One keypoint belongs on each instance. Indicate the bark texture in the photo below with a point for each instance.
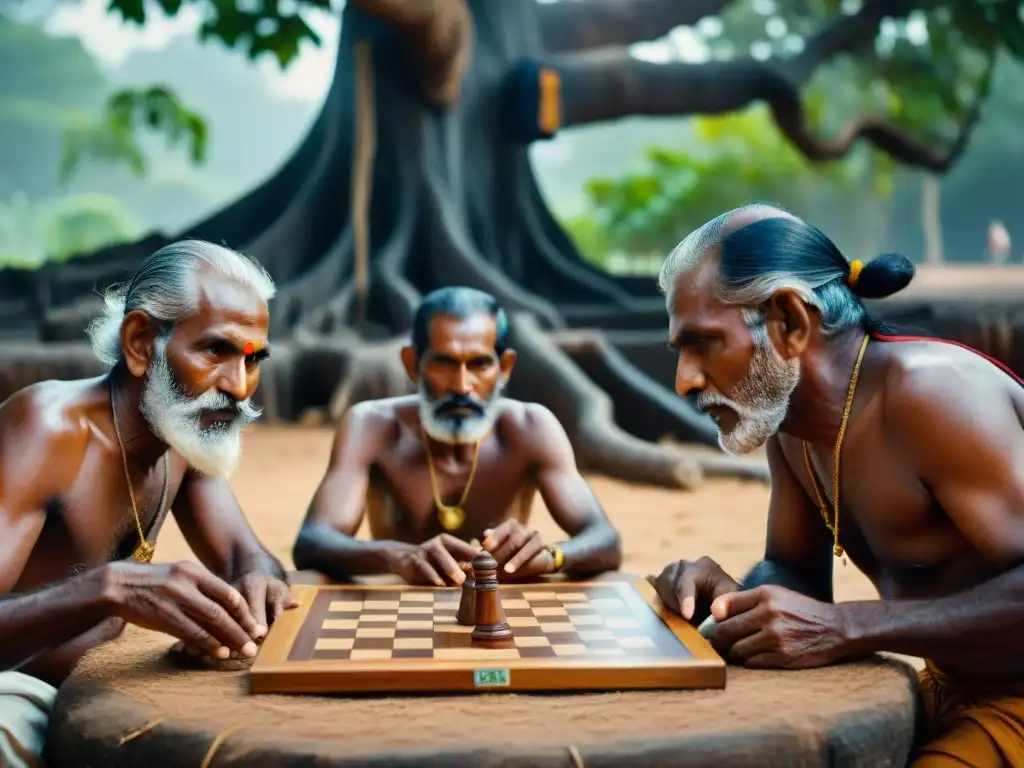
(414, 176)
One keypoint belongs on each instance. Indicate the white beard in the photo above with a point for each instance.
(459, 429)
(174, 417)
(760, 401)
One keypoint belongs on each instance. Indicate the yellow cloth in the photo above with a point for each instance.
(969, 725)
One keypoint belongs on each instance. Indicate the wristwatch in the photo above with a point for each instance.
(556, 556)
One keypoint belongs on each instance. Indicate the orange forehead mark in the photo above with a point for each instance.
(249, 347)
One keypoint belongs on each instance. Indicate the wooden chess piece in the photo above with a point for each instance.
(492, 630)
(467, 605)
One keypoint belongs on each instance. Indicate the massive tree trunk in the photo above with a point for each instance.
(412, 178)
(416, 175)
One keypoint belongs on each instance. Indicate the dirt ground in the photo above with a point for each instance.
(725, 519)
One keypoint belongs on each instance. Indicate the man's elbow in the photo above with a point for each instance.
(614, 549)
(605, 551)
(814, 582)
(307, 548)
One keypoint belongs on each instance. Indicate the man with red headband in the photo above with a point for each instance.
(904, 455)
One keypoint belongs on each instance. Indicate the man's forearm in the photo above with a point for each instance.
(337, 556)
(772, 572)
(988, 619)
(596, 549)
(36, 622)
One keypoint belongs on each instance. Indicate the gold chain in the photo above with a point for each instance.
(144, 551)
(834, 527)
(451, 518)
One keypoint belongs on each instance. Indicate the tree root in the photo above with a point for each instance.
(716, 463)
(654, 412)
(549, 245)
(546, 375)
(372, 370)
(318, 288)
(455, 259)
(399, 295)
(23, 363)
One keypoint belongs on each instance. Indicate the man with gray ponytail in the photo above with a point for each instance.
(89, 470)
(905, 454)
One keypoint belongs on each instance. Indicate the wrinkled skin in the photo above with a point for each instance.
(67, 530)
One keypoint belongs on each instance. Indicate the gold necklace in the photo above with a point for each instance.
(451, 518)
(834, 527)
(144, 551)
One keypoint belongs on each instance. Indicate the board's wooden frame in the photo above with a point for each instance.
(273, 672)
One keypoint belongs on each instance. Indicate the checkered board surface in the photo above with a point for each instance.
(609, 622)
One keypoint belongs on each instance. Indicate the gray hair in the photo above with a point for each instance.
(166, 288)
(765, 249)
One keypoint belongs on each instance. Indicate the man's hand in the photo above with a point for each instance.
(441, 562)
(514, 546)
(771, 626)
(267, 597)
(188, 602)
(689, 588)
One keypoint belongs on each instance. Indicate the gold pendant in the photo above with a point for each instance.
(144, 552)
(451, 518)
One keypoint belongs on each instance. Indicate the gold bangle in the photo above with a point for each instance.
(557, 556)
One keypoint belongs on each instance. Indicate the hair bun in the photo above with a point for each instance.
(884, 276)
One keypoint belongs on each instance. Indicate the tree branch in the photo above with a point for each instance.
(896, 142)
(847, 34)
(604, 85)
(572, 26)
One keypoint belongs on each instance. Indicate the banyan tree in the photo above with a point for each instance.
(416, 174)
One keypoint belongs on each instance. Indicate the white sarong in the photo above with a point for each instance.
(25, 706)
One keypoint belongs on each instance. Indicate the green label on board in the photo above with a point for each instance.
(490, 678)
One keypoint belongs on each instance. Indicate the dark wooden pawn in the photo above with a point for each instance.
(467, 605)
(492, 630)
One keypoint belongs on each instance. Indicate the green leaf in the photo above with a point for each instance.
(129, 10)
(113, 138)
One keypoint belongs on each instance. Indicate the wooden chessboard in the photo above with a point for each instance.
(601, 635)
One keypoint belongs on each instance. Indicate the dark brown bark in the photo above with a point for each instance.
(453, 200)
(586, 412)
(438, 35)
(572, 26)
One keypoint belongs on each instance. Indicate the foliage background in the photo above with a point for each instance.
(95, 150)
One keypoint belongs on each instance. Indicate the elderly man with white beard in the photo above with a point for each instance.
(904, 453)
(89, 470)
(454, 468)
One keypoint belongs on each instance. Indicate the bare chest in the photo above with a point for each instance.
(889, 523)
(406, 500)
(93, 521)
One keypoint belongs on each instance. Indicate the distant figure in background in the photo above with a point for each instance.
(90, 469)
(455, 463)
(999, 245)
(905, 454)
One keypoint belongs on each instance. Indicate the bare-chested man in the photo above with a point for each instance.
(85, 466)
(775, 343)
(456, 463)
